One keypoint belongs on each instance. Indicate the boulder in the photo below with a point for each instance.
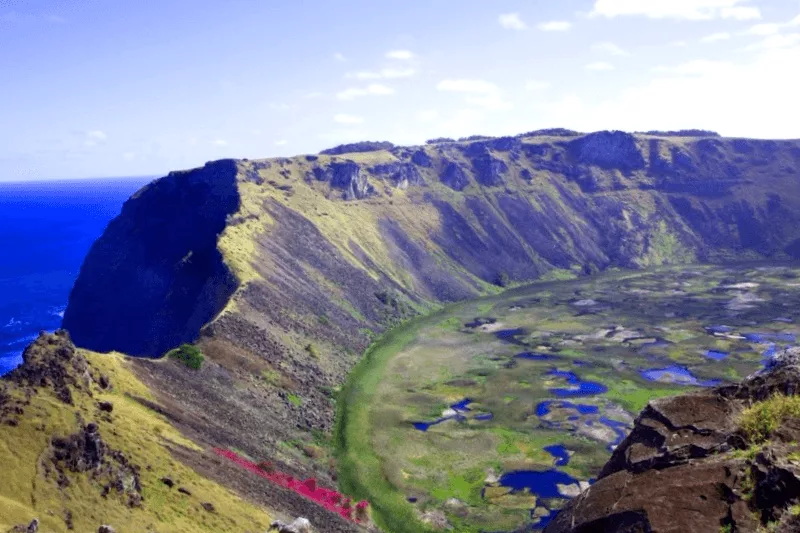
(687, 466)
(608, 150)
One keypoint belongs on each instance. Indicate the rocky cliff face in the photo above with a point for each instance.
(704, 463)
(284, 269)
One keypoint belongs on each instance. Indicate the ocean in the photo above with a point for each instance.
(46, 229)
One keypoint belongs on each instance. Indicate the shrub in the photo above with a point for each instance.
(189, 355)
(295, 400)
(312, 350)
(762, 418)
(502, 280)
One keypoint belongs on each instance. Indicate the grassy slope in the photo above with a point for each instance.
(360, 472)
(144, 436)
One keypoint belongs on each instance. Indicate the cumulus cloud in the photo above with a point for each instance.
(776, 41)
(375, 89)
(555, 25)
(403, 55)
(599, 66)
(677, 9)
(344, 118)
(763, 29)
(219, 142)
(703, 94)
(536, 85)
(716, 37)
(512, 21)
(338, 56)
(610, 48)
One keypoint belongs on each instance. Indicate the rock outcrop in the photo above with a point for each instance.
(691, 465)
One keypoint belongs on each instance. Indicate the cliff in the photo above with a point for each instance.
(726, 459)
(283, 270)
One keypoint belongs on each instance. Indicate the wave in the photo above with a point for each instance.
(13, 324)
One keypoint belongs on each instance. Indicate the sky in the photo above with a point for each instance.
(101, 88)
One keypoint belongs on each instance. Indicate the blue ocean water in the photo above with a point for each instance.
(46, 229)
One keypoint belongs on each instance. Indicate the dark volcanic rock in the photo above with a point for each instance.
(422, 159)
(454, 177)
(677, 471)
(52, 361)
(608, 149)
(348, 176)
(155, 276)
(401, 174)
(365, 146)
(489, 170)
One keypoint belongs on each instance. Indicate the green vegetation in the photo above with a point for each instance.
(145, 437)
(417, 371)
(294, 399)
(189, 355)
(762, 418)
(312, 350)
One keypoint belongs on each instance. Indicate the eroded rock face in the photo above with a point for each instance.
(401, 174)
(454, 177)
(52, 361)
(684, 467)
(489, 170)
(156, 275)
(608, 149)
(348, 176)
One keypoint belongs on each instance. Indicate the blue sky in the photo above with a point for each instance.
(119, 87)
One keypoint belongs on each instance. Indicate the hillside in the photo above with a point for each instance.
(82, 448)
(284, 270)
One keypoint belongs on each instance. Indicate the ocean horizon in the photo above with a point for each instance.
(46, 230)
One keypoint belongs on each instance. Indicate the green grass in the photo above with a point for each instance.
(360, 469)
(295, 400)
(189, 355)
(762, 418)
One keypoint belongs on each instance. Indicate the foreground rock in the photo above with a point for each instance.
(688, 466)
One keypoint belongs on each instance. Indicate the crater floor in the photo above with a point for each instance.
(491, 414)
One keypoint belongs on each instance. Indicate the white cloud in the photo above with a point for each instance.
(555, 25)
(479, 93)
(610, 48)
(600, 66)
(741, 13)
(344, 118)
(676, 9)
(468, 86)
(491, 101)
(281, 142)
(763, 29)
(697, 67)
(535, 85)
(313, 95)
(795, 21)
(716, 37)
(712, 95)
(279, 106)
(776, 41)
(400, 54)
(372, 89)
(219, 142)
(339, 57)
(388, 73)
(96, 135)
(678, 44)
(129, 156)
(512, 21)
